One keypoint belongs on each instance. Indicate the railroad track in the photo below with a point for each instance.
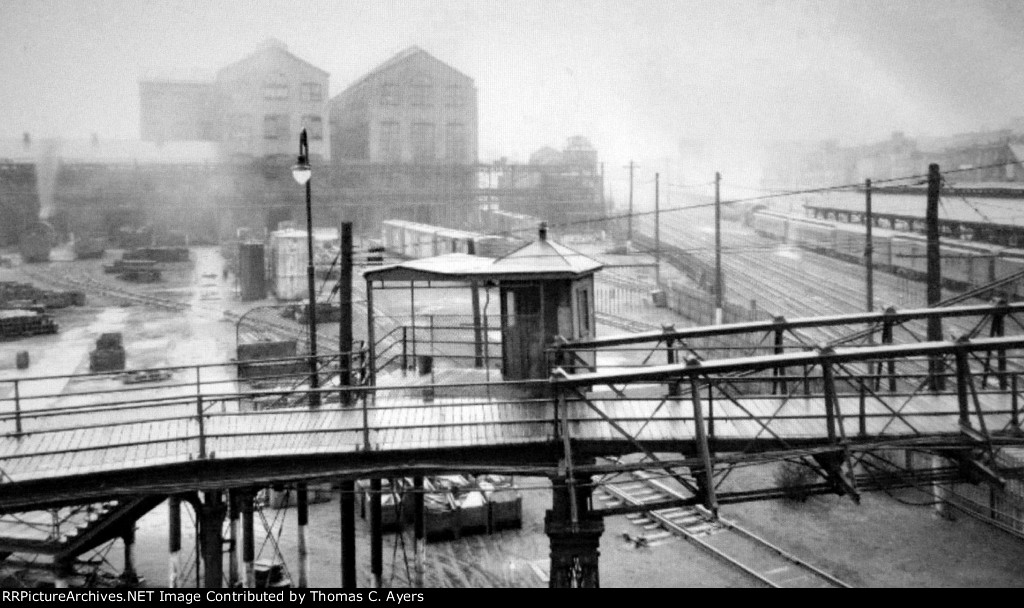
(762, 561)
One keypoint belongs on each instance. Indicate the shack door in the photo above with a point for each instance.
(522, 339)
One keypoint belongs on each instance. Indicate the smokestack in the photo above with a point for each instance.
(26, 139)
(543, 231)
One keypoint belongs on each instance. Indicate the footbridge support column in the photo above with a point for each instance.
(574, 534)
(173, 541)
(211, 515)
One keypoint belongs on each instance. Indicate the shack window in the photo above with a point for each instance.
(583, 309)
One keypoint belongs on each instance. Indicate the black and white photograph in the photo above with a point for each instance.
(320, 301)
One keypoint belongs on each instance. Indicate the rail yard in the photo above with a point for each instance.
(534, 305)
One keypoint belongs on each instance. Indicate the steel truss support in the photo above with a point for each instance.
(704, 476)
(618, 428)
(833, 462)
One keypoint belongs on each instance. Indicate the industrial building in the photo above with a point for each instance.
(405, 139)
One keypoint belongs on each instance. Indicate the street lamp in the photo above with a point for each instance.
(303, 174)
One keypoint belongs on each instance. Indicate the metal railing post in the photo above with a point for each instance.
(779, 386)
(405, 348)
(202, 431)
(366, 424)
(963, 372)
(1014, 403)
(862, 429)
(17, 408)
(887, 331)
(674, 388)
(999, 330)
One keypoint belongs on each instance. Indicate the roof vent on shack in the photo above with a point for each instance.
(543, 231)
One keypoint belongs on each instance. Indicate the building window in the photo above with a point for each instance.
(274, 91)
(311, 91)
(314, 126)
(390, 141)
(390, 94)
(241, 126)
(423, 141)
(455, 141)
(422, 92)
(453, 96)
(275, 126)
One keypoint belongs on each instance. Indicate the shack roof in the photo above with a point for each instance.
(539, 260)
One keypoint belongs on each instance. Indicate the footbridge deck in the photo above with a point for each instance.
(94, 442)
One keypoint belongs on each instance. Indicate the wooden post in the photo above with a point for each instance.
(935, 371)
(869, 248)
(233, 515)
(173, 540)
(345, 312)
(478, 339)
(129, 575)
(212, 517)
(302, 515)
(248, 540)
(376, 534)
(657, 231)
(419, 528)
(347, 499)
(719, 291)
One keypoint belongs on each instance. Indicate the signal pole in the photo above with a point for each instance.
(869, 249)
(657, 231)
(629, 218)
(719, 296)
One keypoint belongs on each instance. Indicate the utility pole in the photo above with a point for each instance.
(869, 222)
(934, 273)
(629, 218)
(719, 296)
(657, 231)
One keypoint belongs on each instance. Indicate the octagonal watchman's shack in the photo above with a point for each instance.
(545, 290)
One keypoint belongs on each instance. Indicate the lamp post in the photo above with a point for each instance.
(303, 174)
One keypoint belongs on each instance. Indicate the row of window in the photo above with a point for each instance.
(278, 91)
(420, 93)
(275, 126)
(422, 139)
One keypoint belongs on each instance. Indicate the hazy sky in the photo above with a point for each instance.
(634, 76)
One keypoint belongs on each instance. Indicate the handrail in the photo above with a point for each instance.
(782, 324)
(839, 355)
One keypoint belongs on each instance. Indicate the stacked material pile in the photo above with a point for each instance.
(24, 295)
(109, 354)
(19, 323)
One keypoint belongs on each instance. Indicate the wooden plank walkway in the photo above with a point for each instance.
(80, 442)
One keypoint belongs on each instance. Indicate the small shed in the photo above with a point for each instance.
(545, 289)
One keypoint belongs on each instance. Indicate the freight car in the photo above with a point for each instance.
(508, 223)
(965, 264)
(89, 247)
(413, 240)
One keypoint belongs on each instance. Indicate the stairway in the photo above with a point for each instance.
(67, 533)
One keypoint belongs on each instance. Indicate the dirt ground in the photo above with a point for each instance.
(880, 543)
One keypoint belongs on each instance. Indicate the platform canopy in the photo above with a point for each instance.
(539, 260)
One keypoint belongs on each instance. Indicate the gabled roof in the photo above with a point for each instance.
(412, 51)
(275, 46)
